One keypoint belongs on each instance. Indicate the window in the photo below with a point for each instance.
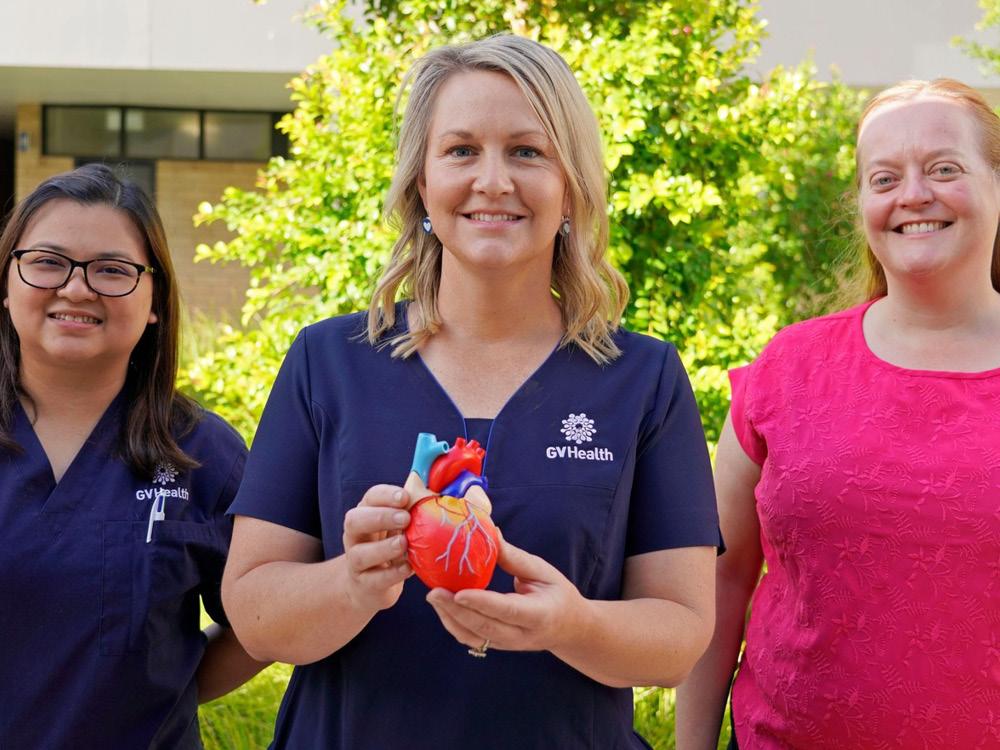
(149, 133)
(82, 131)
(161, 133)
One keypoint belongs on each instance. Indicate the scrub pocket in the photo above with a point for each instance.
(147, 588)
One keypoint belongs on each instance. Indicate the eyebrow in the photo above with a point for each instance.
(513, 136)
(936, 154)
(107, 254)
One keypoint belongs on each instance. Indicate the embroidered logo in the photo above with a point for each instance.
(164, 474)
(578, 428)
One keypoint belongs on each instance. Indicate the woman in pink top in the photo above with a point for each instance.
(861, 462)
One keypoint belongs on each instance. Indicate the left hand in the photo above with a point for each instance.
(544, 610)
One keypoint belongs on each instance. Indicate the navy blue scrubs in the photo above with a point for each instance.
(587, 465)
(99, 628)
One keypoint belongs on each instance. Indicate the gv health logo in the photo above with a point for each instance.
(579, 429)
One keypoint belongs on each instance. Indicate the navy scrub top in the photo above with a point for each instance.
(99, 629)
(587, 465)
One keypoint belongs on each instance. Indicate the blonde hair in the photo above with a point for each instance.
(872, 282)
(590, 292)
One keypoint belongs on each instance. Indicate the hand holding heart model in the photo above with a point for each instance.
(451, 540)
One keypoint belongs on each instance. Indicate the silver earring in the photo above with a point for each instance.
(426, 225)
(564, 226)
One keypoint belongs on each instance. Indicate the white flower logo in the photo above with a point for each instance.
(164, 474)
(577, 428)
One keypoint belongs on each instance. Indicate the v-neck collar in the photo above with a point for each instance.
(80, 476)
(524, 389)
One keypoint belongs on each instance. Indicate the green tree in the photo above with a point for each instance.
(723, 189)
(989, 55)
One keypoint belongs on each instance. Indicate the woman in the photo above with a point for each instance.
(113, 486)
(500, 197)
(860, 463)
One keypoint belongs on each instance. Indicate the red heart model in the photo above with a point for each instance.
(451, 543)
(461, 457)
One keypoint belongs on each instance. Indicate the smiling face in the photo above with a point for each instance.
(929, 199)
(73, 326)
(491, 183)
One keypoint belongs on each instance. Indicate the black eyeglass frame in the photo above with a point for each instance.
(18, 254)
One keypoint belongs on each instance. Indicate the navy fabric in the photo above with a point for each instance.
(99, 630)
(343, 416)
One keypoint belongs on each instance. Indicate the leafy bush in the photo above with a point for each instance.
(723, 190)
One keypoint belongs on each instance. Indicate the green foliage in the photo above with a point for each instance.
(244, 719)
(989, 55)
(722, 193)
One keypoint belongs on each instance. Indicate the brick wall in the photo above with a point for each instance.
(207, 290)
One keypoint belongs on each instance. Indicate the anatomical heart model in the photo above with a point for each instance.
(451, 540)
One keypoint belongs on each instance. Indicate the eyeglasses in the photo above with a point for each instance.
(46, 269)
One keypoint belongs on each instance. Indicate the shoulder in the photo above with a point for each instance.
(815, 336)
(212, 438)
(647, 353)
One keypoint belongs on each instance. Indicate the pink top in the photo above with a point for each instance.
(877, 624)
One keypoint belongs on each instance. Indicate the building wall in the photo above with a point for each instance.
(214, 291)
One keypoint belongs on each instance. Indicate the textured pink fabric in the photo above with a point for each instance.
(877, 624)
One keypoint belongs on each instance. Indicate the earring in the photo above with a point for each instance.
(426, 225)
(564, 226)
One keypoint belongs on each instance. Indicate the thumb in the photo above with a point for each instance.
(522, 564)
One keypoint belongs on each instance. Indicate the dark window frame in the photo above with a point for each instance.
(279, 141)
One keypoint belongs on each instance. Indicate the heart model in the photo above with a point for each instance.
(451, 540)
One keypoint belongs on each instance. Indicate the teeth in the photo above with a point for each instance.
(922, 226)
(492, 217)
(75, 318)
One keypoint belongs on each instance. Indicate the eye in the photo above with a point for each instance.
(460, 151)
(946, 170)
(882, 180)
(527, 152)
(114, 269)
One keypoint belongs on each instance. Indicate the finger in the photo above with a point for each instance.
(376, 555)
(385, 495)
(476, 621)
(380, 579)
(524, 565)
(362, 522)
(459, 632)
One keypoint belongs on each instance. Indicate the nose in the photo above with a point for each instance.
(916, 190)
(76, 288)
(493, 176)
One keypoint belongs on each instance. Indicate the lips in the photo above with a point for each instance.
(921, 227)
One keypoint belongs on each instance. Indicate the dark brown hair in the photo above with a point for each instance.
(156, 413)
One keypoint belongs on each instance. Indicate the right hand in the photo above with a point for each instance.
(375, 548)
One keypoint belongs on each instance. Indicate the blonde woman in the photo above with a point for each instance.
(860, 461)
(598, 473)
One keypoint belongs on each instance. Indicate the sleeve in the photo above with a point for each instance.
(280, 484)
(750, 440)
(222, 528)
(673, 496)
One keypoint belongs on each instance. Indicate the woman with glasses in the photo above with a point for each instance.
(113, 486)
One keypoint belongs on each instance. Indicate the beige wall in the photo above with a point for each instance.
(215, 291)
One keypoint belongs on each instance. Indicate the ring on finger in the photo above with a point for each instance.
(480, 652)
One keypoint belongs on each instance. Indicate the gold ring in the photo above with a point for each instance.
(480, 652)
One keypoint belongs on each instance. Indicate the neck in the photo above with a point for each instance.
(487, 309)
(925, 306)
(67, 394)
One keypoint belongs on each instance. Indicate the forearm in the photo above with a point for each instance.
(294, 612)
(225, 665)
(701, 699)
(636, 642)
